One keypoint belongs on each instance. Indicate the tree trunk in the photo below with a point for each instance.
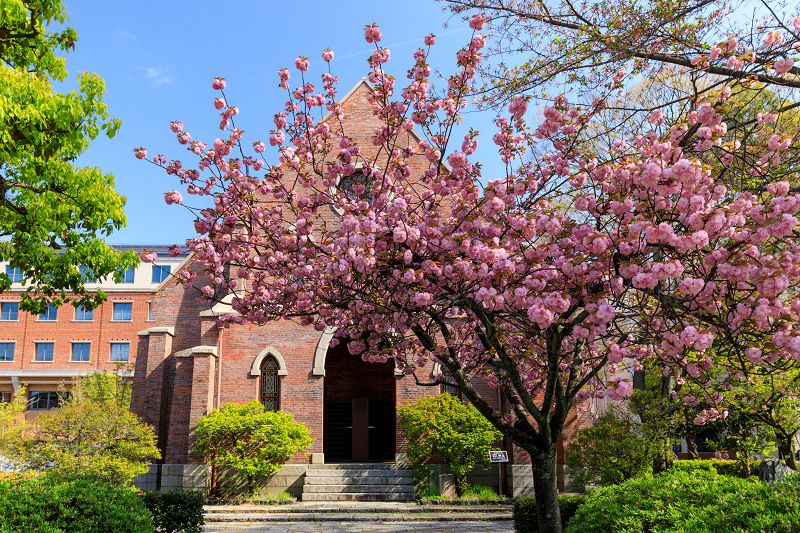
(663, 460)
(545, 489)
(785, 446)
(691, 447)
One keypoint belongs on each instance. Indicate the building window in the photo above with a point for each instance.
(270, 384)
(128, 275)
(119, 352)
(161, 272)
(44, 351)
(123, 310)
(80, 352)
(356, 187)
(50, 314)
(6, 396)
(150, 311)
(9, 310)
(86, 273)
(6, 351)
(81, 313)
(15, 274)
(46, 399)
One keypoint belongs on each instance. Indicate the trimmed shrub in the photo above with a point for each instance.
(724, 467)
(55, 504)
(526, 518)
(178, 511)
(691, 501)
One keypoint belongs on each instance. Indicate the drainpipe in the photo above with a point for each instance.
(217, 395)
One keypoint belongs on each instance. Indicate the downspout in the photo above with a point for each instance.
(217, 394)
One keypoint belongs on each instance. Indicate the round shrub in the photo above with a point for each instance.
(697, 501)
(76, 504)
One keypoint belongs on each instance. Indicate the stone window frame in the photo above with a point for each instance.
(256, 370)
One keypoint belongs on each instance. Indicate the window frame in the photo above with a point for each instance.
(80, 308)
(162, 272)
(53, 401)
(45, 317)
(15, 274)
(112, 344)
(125, 275)
(3, 304)
(72, 351)
(272, 372)
(4, 353)
(52, 345)
(114, 311)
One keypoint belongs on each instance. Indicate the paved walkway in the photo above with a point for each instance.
(361, 527)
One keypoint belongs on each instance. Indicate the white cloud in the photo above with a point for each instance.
(158, 75)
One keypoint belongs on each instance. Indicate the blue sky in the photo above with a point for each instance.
(158, 60)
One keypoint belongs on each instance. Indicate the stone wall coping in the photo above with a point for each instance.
(169, 331)
(197, 350)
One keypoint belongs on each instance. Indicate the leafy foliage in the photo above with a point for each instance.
(176, 511)
(106, 386)
(612, 450)
(458, 432)
(250, 439)
(723, 467)
(12, 426)
(53, 215)
(104, 440)
(697, 501)
(55, 504)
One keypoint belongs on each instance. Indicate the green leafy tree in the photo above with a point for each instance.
(12, 426)
(103, 386)
(249, 438)
(617, 447)
(53, 214)
(104, 440)
(458, 432)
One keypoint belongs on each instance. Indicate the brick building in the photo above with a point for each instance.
(186, 365)
(46, 352)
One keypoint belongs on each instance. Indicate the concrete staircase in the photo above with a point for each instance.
(358, 482)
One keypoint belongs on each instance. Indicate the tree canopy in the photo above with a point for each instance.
(547, 281)
(53, 214)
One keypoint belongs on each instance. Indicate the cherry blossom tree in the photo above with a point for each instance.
(546, 281)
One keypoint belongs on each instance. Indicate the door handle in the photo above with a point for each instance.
(371, 427)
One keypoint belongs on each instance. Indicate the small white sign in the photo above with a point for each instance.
(498, 456)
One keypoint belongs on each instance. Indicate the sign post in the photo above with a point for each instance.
(499, 456)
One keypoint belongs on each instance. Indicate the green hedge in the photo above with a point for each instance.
(526, 518)
(176, 511)
(52, 504)
(725, 467)
(696, 501)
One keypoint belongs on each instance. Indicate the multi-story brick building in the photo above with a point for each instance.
(46, 352)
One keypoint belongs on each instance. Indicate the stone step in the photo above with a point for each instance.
(359, 488)
(357, 496)
(355, 508)
(359, 466)
(360, 517)
(359, 480)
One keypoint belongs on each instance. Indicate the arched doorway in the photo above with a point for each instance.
(359, 424)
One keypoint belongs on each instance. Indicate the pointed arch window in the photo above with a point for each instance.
(270, 384)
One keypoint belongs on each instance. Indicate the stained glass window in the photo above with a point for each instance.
(270, 384)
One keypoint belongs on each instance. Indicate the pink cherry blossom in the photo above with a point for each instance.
(141, 153)
(301, 63)
(782, 66)
(477, 22)
(218, 84)
(176, 126)
(173, 197)
(327, 55)
(175, 250)
(430, 39)
(148, 256)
